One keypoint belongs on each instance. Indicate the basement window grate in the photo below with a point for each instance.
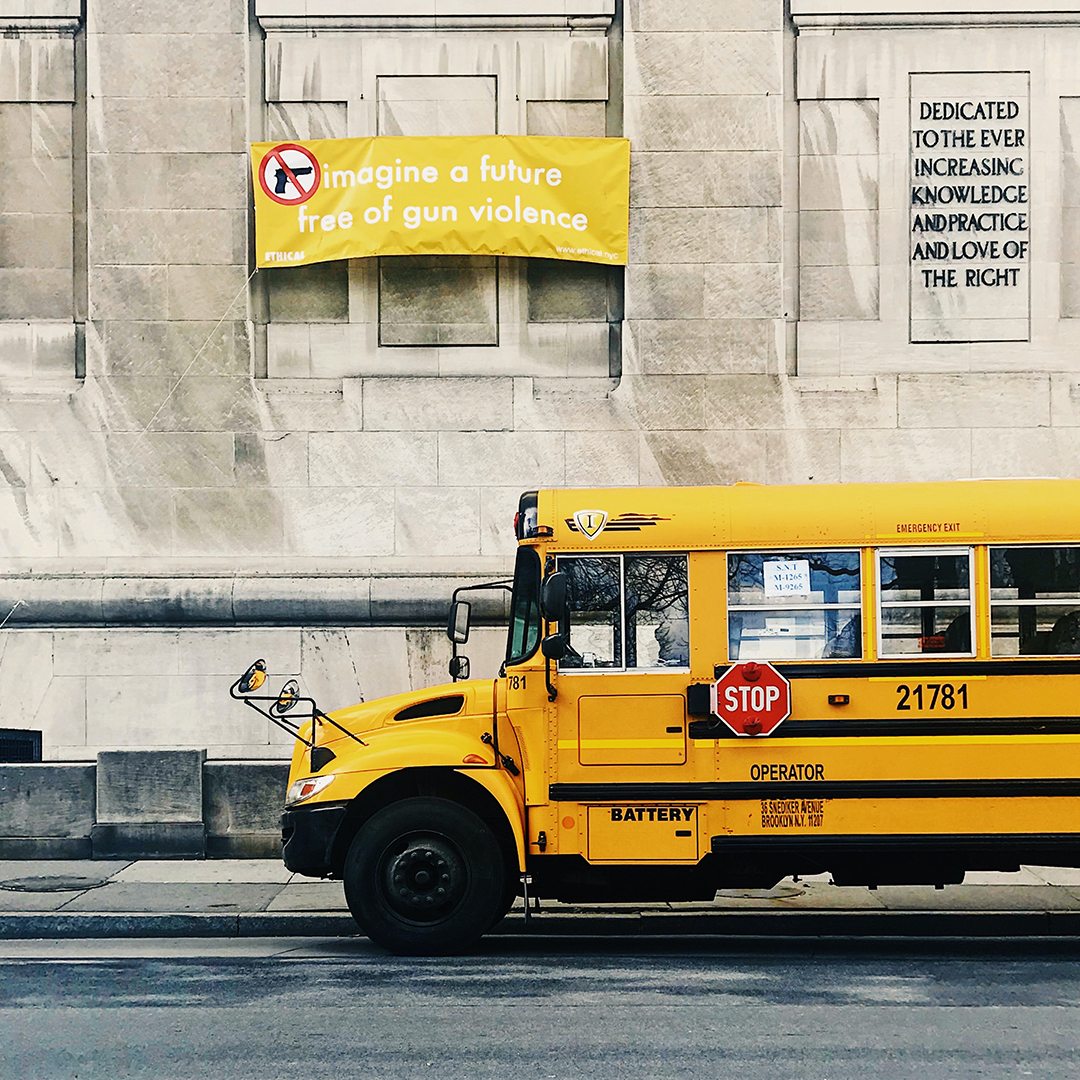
(17, 745)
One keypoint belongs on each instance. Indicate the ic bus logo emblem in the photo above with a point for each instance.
(590, 522)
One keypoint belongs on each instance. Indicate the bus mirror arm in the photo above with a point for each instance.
(552, 692)
(457, 624)
(555, 647)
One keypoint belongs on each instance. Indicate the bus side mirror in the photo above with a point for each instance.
(457, 625)
(555, 605)
(554, 646)
(459, 667)
(553, 598)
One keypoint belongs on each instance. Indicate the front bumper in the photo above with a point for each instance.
(307, 836)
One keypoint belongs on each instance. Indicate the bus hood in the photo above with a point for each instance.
(431, 703)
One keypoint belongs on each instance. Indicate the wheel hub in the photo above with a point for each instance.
(425, 879)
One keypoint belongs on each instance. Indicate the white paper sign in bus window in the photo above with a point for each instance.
(787, 577)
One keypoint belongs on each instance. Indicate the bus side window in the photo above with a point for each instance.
(657, 611)
(925, 598)
(627, 611)
(794, 605)
(595, 589)
(1035, 601)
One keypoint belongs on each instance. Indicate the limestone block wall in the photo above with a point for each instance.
(480, 75)
(113, 689)
(142, 804)
(240, 468)
(42, 199)
(876, 57)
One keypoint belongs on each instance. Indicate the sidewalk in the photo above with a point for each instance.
(260, 898)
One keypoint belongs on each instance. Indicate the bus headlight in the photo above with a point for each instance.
(302, 790)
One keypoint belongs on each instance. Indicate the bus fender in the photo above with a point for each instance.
(505, 793)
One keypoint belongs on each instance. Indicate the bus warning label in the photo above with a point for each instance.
(792, 813)
(652, 813)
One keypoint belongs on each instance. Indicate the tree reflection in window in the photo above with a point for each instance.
(595, 612)
(627, 611)
(832, 574)
(657, 612)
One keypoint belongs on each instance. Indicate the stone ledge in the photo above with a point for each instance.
(432, 14)
(282, 600)
(243, 845)
(47, 809)
(148, 840)
(51, 25)
(913, 20)
(45, 847)
(435, 23)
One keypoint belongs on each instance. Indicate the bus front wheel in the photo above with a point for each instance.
(425, 877)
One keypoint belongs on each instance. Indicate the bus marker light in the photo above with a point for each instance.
(839, 699)
(473, 759)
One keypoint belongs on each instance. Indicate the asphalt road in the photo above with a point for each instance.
(284, 1009)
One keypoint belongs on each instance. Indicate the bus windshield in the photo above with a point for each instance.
(525, 615)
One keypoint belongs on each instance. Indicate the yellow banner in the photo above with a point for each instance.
(471, 195)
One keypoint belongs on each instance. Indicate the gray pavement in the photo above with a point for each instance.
(251, 898)
(530, 1009)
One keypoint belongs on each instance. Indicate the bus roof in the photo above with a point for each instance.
(960, 512)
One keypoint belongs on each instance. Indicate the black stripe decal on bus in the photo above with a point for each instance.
(901, 728)
(850, 845)
(818, 789)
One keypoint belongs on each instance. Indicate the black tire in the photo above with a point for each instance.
(510, 894)
(425, 877)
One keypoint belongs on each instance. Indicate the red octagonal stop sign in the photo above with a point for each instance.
(752, 699)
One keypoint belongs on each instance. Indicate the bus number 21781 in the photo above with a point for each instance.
(932, 696)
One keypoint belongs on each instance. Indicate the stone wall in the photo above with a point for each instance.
(197, 468)
(116, 689)
(142, 804)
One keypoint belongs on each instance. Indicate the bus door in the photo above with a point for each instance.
(621, 705)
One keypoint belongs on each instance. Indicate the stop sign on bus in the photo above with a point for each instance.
(752, 699)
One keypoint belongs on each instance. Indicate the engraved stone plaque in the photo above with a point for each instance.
(970, 207)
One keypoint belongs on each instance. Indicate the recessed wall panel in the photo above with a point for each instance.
(970, 207)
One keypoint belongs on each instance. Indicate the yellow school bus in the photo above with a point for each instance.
(930, 637)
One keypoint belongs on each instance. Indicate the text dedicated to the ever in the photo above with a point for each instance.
(939, 154)
(970, 193)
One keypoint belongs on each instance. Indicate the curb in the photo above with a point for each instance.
(779, 924)
(196, 925)
(773, 924)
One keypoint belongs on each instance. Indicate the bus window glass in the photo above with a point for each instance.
(925, 602)
(1035, 601)
(794, 605)
(595, 589)
(657, 611)
(525, 617)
